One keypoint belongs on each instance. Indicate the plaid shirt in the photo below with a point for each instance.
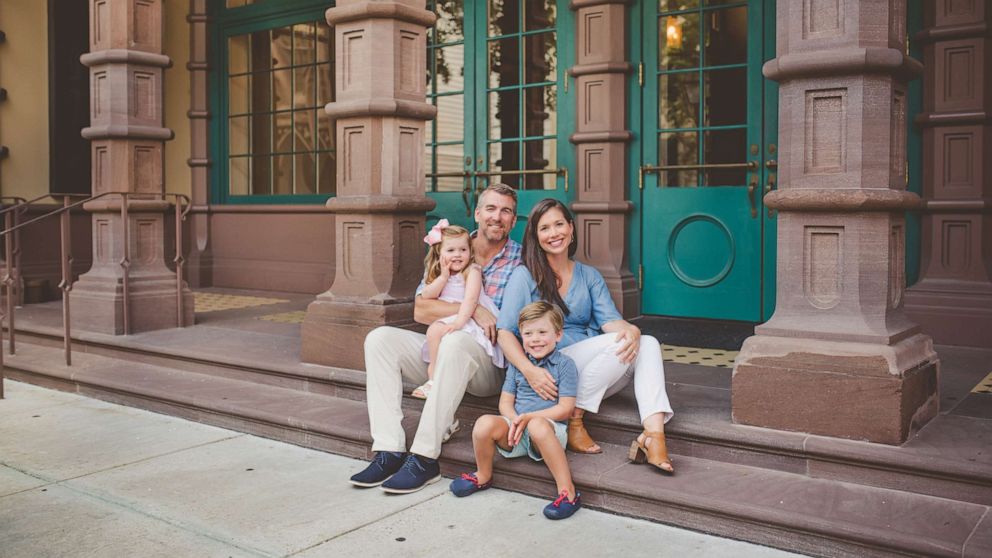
(496, 273)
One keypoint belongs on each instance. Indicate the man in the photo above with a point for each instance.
(392, 354)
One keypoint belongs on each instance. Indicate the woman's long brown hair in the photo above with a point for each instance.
(537, 261)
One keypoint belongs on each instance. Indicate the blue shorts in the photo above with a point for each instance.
(525, 448)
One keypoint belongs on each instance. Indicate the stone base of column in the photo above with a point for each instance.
(952, 312)
(629, 299)
(861, 391)
(97, 303)
(334, 331)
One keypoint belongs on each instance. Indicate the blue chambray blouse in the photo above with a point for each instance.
(588, 301)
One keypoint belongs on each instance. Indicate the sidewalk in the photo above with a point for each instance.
(80, 477)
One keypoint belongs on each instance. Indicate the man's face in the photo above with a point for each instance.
(495, 215)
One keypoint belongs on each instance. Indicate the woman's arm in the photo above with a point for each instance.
(473, 287)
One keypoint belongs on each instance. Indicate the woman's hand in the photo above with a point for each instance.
(517, 428)
(541, 382)
(629, 337)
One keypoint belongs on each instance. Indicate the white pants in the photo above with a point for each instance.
(392, 354)
(601, 374)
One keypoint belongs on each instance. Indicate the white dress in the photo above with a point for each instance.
(454, 291)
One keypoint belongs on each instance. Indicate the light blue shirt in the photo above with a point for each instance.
(588, 300)
(561, 367)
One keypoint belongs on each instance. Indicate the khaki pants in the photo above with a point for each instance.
(392, 354)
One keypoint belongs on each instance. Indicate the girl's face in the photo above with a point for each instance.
(455, 251)
(554, 233)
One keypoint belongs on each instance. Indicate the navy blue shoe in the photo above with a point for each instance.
(468, 484)
(417, 472)
(383, 466)
(561, 508)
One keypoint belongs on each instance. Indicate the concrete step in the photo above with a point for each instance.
(937, 462)
(777, 508)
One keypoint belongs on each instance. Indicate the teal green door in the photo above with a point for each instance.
(707, 156)
(496, 73)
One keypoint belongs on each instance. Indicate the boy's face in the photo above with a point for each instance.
(539, 337)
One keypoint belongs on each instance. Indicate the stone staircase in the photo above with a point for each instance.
(810, 494)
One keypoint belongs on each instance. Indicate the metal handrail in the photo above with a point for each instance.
(182, 208)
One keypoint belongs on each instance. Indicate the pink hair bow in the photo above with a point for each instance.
(434, 236)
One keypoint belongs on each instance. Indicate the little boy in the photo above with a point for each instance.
(530, 425)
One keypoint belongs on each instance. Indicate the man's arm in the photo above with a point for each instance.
(427, 311)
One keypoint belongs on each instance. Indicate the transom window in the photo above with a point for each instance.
(276, 75)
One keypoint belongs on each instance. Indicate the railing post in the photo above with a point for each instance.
(8, 277)
(126, 264)
(179, 260)
(65, 235)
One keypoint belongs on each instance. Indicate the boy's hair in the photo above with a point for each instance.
(432, 263)
(540, 309)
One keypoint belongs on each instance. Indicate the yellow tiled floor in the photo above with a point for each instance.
(214, 302)
(985, 386)
(286, 317)
(695, 355)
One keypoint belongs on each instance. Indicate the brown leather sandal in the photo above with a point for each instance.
(579, 440)
(656, 454)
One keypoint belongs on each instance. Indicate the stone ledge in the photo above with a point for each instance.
(382, 106)
(600, 68)
(379, 10)
(125, 56)
(843, 200)
(373, 203)
(843, 61)
(127, 131)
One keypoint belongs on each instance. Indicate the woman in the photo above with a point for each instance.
(606, 348)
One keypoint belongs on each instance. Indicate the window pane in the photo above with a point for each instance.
(449, 68)
(261, 137)
(429, 169)
(303, 44)
(678, 41)
(450, 117)
(306, 173)
(504, 114)
(678, 100)
(505, 156)
(326, 178)
(282, 174)
(450, 21)
(504, 62)
(238, 54)
(282, 89)
(449, 159)
(726, 97)
(324, 42)
(325, 130)
(325, 84)
(678, 148)
(541, 56)
(282, 130)
(540, 114)
(282, 47)
(261, 175)
(674, 5)
(726, 40)
(305, 87)
(238, 92)
(239, 178)
(504, 17)
(303, 131)
(540, 155)
(238, 135)
(725, 146)
(540, 14)
(261, 51)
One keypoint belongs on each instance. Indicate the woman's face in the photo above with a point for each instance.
(554, 233)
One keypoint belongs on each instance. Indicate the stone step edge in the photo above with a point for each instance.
(771, 442)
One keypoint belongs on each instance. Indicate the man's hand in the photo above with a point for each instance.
(485, 319)
(517, 428)
(542, 383)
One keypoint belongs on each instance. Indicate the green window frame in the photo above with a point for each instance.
(267, 147)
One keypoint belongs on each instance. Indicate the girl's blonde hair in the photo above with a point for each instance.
(432, 263)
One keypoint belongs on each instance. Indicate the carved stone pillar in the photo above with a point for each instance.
(601, 139)
(953, 299)
(839, 357)
(199, 266)
(127, 136)
(380, 110)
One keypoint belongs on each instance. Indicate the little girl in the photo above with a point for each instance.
(453, 276)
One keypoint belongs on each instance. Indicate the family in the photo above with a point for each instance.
(549, 320)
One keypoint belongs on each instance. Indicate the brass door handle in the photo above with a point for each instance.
(769, 186)
(752, 187)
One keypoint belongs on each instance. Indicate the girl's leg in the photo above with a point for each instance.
(434, 337)
(489, 430)
(542, 435)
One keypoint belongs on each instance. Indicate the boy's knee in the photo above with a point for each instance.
(485, 426)
(540, 427)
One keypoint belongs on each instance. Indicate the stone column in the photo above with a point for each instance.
(953, 299)
(839, 357)
(199, 265)
(127, 137)
(380, 110)
(601, 140)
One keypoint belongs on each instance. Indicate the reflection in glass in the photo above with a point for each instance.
(324, 42)
(540, 14)
(725, 146)
(449, 68)
(303, 44)
(449, 159)
(306, 173)
(450, 21)
(674, 5)
(238, 55)
(326, 177)
(540, 116)
(450, 111)
(238, 135)
(725, 101)
(678, 148)
(261, 175)
(504, 114)
(504, 62)
(238, 177)
(505, 156)
(325, 84)
(303, 131)
(540, 54)
(238, 89)
(678, 96)
(540, 155)
(261, 137)
(282, 174)
(726, 37)
(678, 41)
(325, 130)
(503, 17)
(304, 87)
(282, 89)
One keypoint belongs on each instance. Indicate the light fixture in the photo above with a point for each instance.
(673, 32)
